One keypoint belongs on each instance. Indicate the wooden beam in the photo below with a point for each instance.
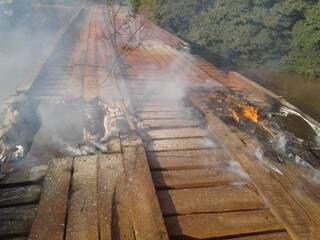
(195, 178)
(177, 133)
(181, 144)
(19, 195)
(169, 123)
(213, 199)
(16, 221)
(162, 115)
(194, 159)
(83, 219)
(287, 210)
(292, 180)
(146, 214)
(264, 236)
(22, 176)
(113, 199)
(50, 220)
(29, 81)
(215, 225)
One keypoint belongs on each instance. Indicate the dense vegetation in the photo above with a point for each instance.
(269, 33)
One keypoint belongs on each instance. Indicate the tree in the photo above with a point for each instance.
(249, 32)
(305, 54)
(148, 8)
(245, 32)
(135, 4)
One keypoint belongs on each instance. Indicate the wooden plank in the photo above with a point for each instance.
(152, 96)
(113, 204)
(214, 199)
(19, 195)
(287, 210)
(162, 115)
(123, 227)
(209, 225)
(19, 238)
(169, 123)
(28, 83)
(82, 213)
(300, 190)
(179, 160)
(114, 146)
(74, 90)
(307, 177)
(50, 220)
(80, 53)
(90, 88)
(195, 178)
(24, 175)
(265, 236)
(109, 168)
(152, 107)
(293, 181)
(146, 214)
(182, 144)
(177, 133)
(16, 220)
(91, 57)
(102, 54)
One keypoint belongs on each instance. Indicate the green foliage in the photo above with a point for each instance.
(135, 4)
(177, 15)
(246, 32)
(305, 54)
(148, 7)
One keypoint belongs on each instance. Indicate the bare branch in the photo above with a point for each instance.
(126, 32)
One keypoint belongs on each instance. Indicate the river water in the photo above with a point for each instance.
(301, 91)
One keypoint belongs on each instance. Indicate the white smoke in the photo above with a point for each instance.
(235, 167)
(280, 143)
(171, 82)
(26, 33)
(259, 154)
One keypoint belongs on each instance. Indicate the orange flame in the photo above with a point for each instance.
(250, 113)
(246, 112)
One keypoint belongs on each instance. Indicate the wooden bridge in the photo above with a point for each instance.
(172, 168)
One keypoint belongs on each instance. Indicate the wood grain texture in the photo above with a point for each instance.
(209, 225)
(50, 220)
(181, 160)
(287, 210)
(195, 178)
(146, 214)
(83, 219)
(19, 195)
(16, 220)
(214, 199)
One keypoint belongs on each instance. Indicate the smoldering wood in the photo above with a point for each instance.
(19, 126)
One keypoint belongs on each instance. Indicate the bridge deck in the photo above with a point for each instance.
(176, 171)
